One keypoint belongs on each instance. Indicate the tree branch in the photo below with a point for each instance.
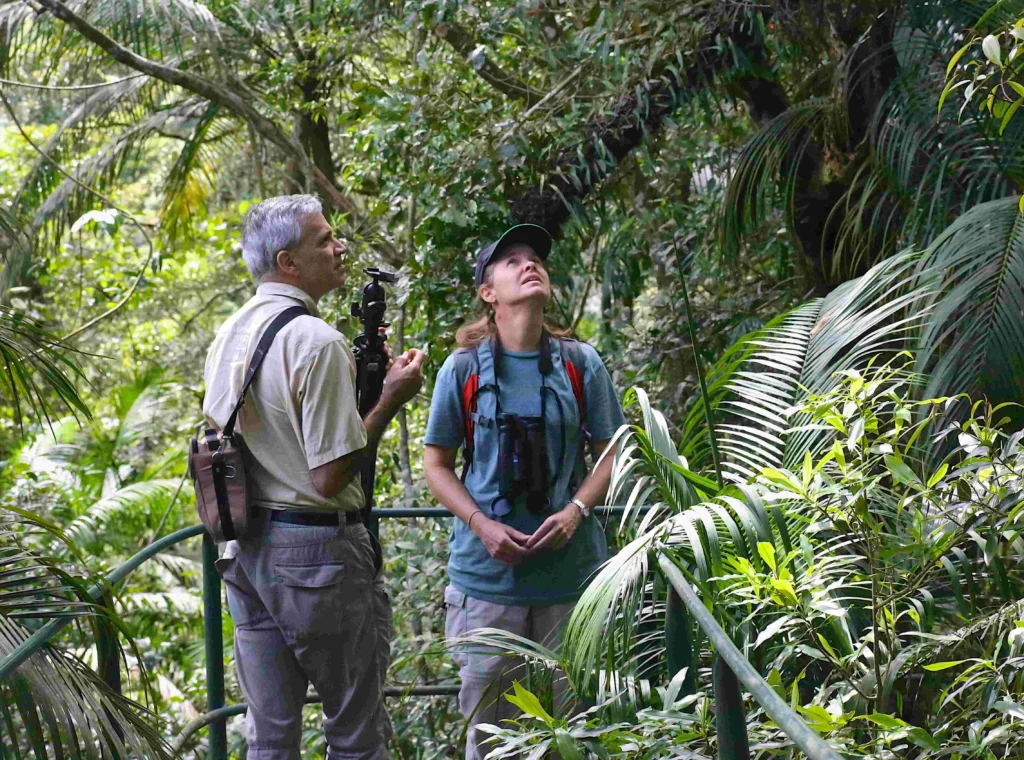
(149, 241)
(463, 43)
(215, 93)
(611, 136)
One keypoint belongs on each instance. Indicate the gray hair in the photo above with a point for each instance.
(271, 226)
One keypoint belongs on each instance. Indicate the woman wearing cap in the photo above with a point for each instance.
(525, 542)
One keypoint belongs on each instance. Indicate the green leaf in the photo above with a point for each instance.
(767, 552)
(956, 57)
(950, 86)
(818, 717)
(828, 647)
(526, 701)
(923, 739)
(1009, 114)
(886, 721)
(936, 666)
(938, 475)
(785, 590)
(900, 471)
(567, 746)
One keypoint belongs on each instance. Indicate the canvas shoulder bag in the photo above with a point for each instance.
(215, 459)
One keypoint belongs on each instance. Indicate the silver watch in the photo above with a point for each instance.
(584, 509)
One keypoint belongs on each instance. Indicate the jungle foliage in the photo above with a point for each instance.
(837, 185)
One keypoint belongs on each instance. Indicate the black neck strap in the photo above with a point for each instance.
(544, 364)
(262, 348)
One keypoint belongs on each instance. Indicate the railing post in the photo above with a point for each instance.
(679, 642)
(730, 718)
(214, 637)
(108, 660)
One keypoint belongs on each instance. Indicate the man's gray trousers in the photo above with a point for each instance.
(308, 607)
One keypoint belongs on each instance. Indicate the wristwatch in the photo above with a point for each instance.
(584, 509)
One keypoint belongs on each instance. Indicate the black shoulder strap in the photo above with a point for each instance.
(262, 348)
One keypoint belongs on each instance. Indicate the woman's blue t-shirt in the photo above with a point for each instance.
(554, 576)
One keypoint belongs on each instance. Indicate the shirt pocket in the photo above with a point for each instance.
(455, 623)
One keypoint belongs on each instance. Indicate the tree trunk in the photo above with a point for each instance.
(404, 460)
(610, 137)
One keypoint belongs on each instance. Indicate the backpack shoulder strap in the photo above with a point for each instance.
(575, 367)
(262, 348)
(467, 375)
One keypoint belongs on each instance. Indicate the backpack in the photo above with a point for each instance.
(467, 374)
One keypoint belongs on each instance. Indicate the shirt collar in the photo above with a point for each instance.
(290, 291)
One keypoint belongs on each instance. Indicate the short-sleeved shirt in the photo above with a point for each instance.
(555, 576)
(301, 409)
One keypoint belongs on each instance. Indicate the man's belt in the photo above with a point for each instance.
(297, 517)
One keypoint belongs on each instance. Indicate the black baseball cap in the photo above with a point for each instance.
(532, 235)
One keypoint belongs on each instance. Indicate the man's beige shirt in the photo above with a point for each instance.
(301, 410)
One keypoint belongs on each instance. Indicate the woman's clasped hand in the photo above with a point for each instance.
(510, 546)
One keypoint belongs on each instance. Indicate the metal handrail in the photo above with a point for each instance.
(39, 638)
(805, 737)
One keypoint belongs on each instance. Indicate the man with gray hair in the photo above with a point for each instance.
(306, 596)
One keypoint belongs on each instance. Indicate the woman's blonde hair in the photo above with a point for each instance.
(483, 327)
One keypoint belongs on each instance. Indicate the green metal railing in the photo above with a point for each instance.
(802, 735)
(731, 668)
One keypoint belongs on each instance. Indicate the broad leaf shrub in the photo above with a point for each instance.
(879, 597)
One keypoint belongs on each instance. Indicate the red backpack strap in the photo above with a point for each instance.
(575, 367)
(467, 374)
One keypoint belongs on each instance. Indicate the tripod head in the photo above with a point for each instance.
(371, 311)
(371, 360)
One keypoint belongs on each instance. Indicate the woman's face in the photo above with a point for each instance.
(517, 277)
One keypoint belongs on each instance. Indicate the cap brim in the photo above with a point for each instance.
(532, 235)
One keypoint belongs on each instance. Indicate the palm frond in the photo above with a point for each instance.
(15, 252)
(35, 364)
(597, 635)
(768, 373)
(909, 178)
(55, 444)
(922, 171)
(648, 467)
(132, 506)
(974, 340)
(770, 167)
(114, 161)
(54, 705)
(190, 183)
(138, 406)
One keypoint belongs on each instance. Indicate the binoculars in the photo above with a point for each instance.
(522, 464)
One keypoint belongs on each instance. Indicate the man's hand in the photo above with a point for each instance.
(556, 531)
(504, 543)
(404, 379)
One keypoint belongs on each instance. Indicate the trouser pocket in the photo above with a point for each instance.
(455, 623)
